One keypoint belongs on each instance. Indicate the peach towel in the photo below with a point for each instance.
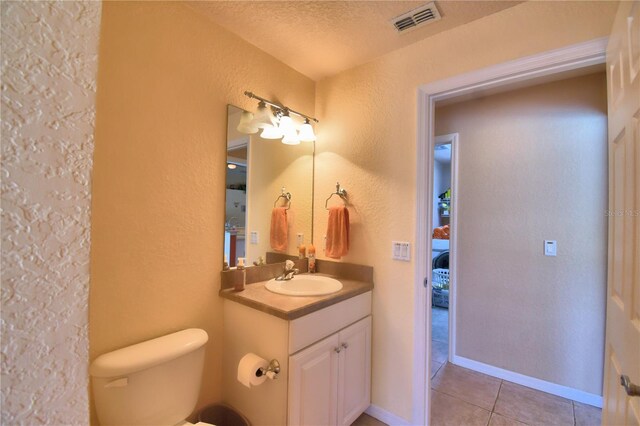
(337, 232)
(279, 229)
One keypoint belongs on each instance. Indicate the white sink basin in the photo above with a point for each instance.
(305, 285)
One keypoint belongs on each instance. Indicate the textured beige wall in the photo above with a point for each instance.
(166, 76)
(49, 66)
(367, 137)
(533, 166)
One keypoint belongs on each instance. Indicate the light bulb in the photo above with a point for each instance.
(231, 166)
(291, 137)
(263, 117)
(306, 132)
(286, 124)
(246, 123)
(271, 132)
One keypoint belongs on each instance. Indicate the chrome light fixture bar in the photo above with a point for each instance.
(279, 107)
(275, 122)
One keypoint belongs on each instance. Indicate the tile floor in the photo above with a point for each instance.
(367, 420)
(464, 397)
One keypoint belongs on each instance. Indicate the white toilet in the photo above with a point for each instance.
(151, 383)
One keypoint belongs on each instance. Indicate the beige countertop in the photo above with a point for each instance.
(291, 307)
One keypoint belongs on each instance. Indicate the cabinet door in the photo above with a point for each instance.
(313, 385)
(354, 377)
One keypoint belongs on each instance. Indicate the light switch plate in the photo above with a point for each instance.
(401, 250)
(254, 237)
(550, 247)
(300, 239)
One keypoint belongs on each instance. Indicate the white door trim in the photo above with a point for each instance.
(540, 65)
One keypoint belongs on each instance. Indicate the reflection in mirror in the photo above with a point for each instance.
(257, 170)
(236, 189)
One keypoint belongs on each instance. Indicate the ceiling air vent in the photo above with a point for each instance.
(416, 17)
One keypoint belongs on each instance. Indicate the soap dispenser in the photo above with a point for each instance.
(240, 283)
(311, 251)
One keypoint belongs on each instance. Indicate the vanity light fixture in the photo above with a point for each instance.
(306, 132)
(271, 132)
(247, 124)
(286, 123)
(291, 137)
(276, 122)
(263, 117)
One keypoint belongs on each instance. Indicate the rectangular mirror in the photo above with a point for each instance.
(257, 171)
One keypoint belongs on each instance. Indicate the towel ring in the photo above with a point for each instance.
(286, 196)
(340, 192)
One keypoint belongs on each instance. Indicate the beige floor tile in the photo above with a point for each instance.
(499, 420)
(367, 420)
(435, 366)
(532, 406)
(439, 351)
(586, 415)
(470, 386)
(449, 411)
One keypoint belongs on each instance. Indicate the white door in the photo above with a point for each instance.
(354, 377)
(313, 375)
(622, 351)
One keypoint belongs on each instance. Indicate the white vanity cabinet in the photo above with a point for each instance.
(330, 381)
(325, 359)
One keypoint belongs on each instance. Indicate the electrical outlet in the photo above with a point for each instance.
(300, 237)
(401, 250)
(254, 237)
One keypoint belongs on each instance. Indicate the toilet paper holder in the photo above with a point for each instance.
(272, 370)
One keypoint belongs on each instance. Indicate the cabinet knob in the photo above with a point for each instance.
(337, 349)
(344, 345)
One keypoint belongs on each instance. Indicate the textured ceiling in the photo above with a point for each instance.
(323, 38)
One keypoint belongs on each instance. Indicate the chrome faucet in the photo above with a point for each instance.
(288, 272)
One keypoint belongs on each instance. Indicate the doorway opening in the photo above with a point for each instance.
(442, 249)
(544, 67)
(519, 181)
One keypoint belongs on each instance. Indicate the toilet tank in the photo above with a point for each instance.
(155, 382)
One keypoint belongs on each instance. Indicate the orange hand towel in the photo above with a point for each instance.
(279, 229)
(338, 232)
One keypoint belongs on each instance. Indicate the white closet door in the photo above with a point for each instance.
(622, 351)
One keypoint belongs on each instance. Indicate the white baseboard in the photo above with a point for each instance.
(385, 416)
(530, 382)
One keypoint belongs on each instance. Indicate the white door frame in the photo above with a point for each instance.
(540, 65)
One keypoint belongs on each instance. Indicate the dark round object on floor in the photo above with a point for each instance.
(441, 261)
(221, 415)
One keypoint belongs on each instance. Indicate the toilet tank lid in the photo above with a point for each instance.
(148, 354)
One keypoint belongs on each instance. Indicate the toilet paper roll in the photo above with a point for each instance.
(249, 370)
